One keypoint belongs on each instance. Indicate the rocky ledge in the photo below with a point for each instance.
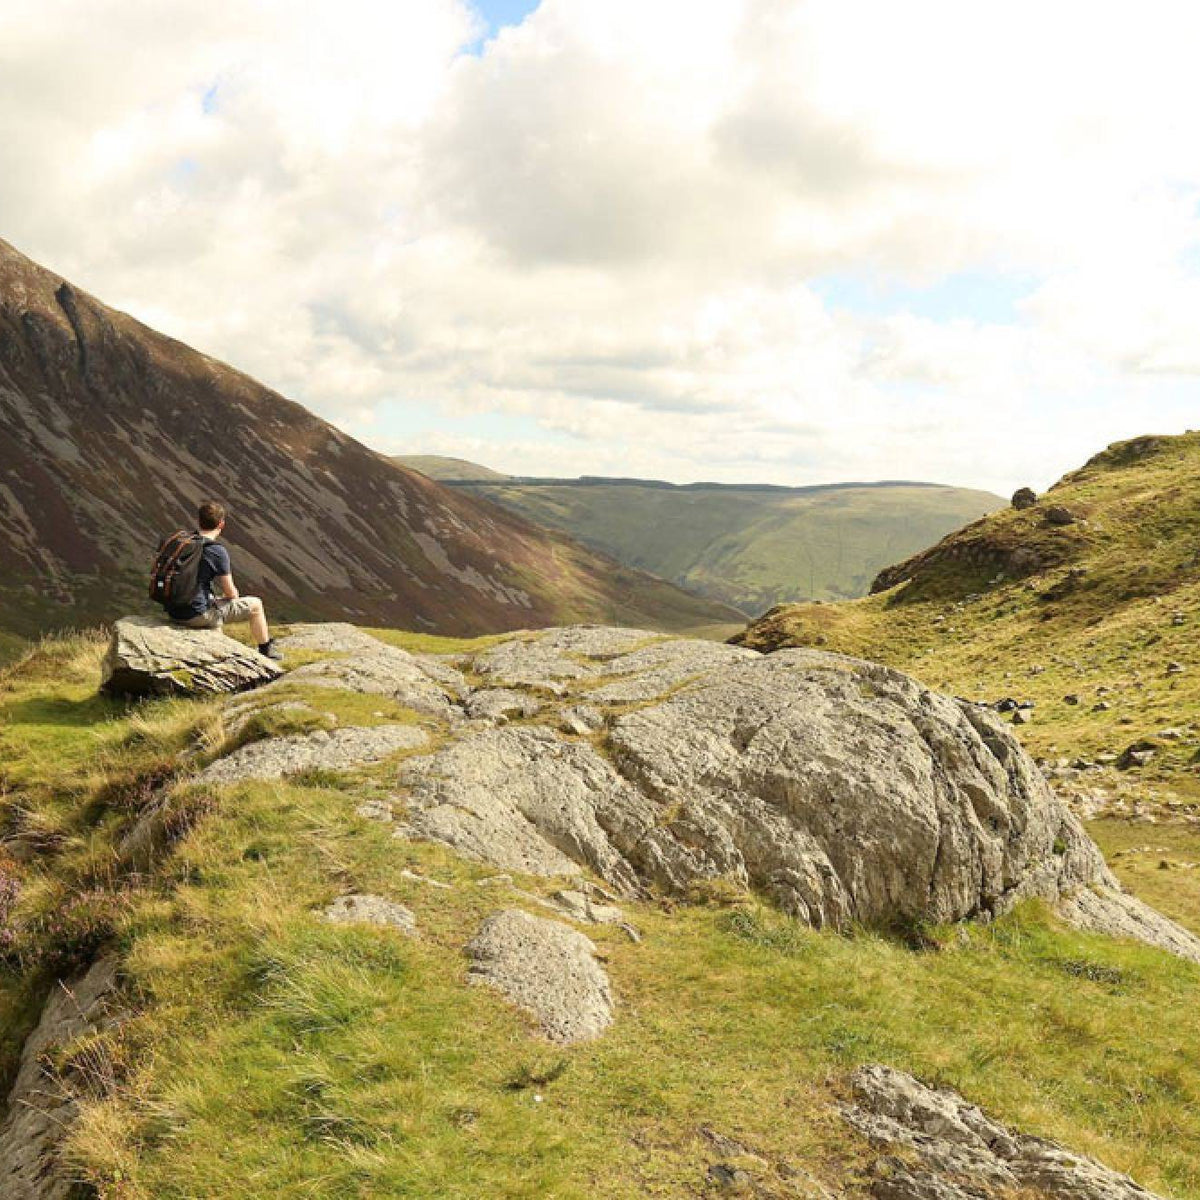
(846, 792)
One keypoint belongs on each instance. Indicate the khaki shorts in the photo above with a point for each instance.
(220, 611)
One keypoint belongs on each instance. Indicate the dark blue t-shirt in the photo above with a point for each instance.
(214, 561)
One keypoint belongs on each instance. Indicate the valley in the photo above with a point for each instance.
(748, 546)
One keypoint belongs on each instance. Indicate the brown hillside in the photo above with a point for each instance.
(110, 433)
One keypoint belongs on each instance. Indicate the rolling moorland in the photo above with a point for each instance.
(110, 434)
(260, 1042)
(749, 546)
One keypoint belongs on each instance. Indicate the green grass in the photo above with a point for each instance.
(745, 547)
(268, 1053)
(1106, 634)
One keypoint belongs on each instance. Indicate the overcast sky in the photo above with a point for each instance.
(770, 240)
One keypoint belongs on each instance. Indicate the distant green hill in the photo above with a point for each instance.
(751, 546)
(438, 466)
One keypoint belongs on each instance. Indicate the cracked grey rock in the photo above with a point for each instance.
(330, 637)
(362, 908)
(1110, 911)
(501, 704)
(653, 671)
(550, 660)
(532, 663)
(42, 1107)
(579, 906)
(151, 656)
(526, 800)
(375, 810)
(580, 719)
(387, 671)
(949, 1150)
(328, 750)
(845, 791)
(547, 969)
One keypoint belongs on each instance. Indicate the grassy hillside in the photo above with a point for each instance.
(1095, 621)
(269, 1053)
(750, 547)
(440, 466)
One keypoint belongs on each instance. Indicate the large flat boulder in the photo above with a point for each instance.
(151, 656)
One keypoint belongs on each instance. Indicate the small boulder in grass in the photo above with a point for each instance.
(365, 909)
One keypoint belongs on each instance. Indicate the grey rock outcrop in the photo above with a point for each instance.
(330, 637)
(362, 908)
(951, 1151)
(526, 800)
(844, 790)
(153, 657)
(501, 704)
(326, 750)
(380, 670)
(41, 1107)
(546, 968)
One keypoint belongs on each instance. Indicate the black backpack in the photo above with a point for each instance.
(175, 576)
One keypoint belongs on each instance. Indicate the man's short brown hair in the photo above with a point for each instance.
(211, 514)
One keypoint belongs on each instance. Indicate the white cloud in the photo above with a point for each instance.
(613, 222)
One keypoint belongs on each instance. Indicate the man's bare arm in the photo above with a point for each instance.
(225, 583)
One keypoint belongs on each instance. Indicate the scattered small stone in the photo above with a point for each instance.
(1139, 754)
(1101, 706)
(375, 810)
(415, 878)
(1059, 514)
(1175, 668)
(1021, 717)
(1071, 699)
(365, 909)
(1024, 498)
(730, 1178)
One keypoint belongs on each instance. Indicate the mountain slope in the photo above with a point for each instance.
(110, 433)
(1094, 621)
(748, 546)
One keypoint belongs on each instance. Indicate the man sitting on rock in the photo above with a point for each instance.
(209, 608)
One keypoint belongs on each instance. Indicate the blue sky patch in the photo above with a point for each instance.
(498, 13)
(971, 295)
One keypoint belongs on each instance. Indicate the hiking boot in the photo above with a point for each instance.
(271, 651)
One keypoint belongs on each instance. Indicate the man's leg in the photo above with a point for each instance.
(248, 608)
